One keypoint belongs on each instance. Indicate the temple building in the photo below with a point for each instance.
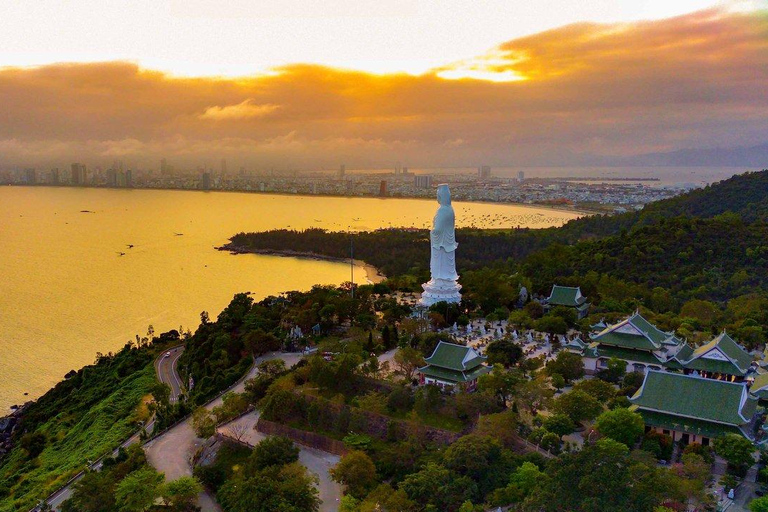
(568, 297)
(452, 365)
(634, 340)
(722, 359)
(693, 409)
(760, 388)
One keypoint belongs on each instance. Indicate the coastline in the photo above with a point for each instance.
(372, 274)
(578, 210)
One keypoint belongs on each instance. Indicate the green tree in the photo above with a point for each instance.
(621, 425)
(601, 390)
(181, 494)
(503, 352)
(233, 405)
(137, 491)
(501, 426)
(287, 488)
(437, 486)
(33, 443)
(273, 451)
(736, 449)
(601, 478)
(533, 394)
(759, 504)
(567, 364)
(203, 423)
(704, 311)
(259, 342)
(407, 361)
(357, 472)
(551, 324)
(614, 371)
(473, 455)
(578, 406)
(526, 478)
(385, 498)
(500, 382)
(559, 424)
(523, 481)
(92, 493)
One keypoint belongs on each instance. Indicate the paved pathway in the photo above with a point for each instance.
(171, 453)
(316, 461)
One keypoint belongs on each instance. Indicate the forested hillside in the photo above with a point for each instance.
(709, 243)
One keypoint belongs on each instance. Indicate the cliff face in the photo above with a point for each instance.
(8, 426)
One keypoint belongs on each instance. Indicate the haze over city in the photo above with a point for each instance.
(312, 85)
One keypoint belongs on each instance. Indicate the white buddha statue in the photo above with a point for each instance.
(442, 264)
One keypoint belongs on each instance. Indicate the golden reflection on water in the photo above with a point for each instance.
(71, 284)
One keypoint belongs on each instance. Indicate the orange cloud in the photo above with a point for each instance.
(244, 110)
(587, 91)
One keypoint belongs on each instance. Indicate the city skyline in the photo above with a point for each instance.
(579, 94)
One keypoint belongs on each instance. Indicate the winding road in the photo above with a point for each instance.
(166, 373)
(171, 453)
(165, 367)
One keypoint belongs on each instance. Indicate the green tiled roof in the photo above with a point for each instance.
(454, 375)
(714, 366)
(737, 363)
(630, 341)
(690, 425)
(641, 335)
(639, 356)
(695, 397)
(730, 348)
(685, 353)
(454, 357)
(566, 296)
(760, 386)
(576, 343)
(656, 334)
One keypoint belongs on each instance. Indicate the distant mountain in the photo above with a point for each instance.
(755, 156)
(744, 194)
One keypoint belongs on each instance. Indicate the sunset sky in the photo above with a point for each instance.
(431, 83)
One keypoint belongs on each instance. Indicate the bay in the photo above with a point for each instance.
(71, 285)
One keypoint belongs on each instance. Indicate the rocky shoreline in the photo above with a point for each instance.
(8, 426)
(372, 274)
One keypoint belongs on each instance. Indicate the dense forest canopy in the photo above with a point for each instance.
(679, 244)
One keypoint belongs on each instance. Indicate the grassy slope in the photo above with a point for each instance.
(100, 429)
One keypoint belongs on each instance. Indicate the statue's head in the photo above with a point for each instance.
(443, 195)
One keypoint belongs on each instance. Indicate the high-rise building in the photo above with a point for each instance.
(342, 171)
(129, 178)
(484, 172)
(55, 176)
(383, 188)
(206, 181)
(164, 167)
(223, 166)
(422, 181)
(30, 176)
(404, 170)
(78, 176)
(520, 176)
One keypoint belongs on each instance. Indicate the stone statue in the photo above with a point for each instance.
(442, 264)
